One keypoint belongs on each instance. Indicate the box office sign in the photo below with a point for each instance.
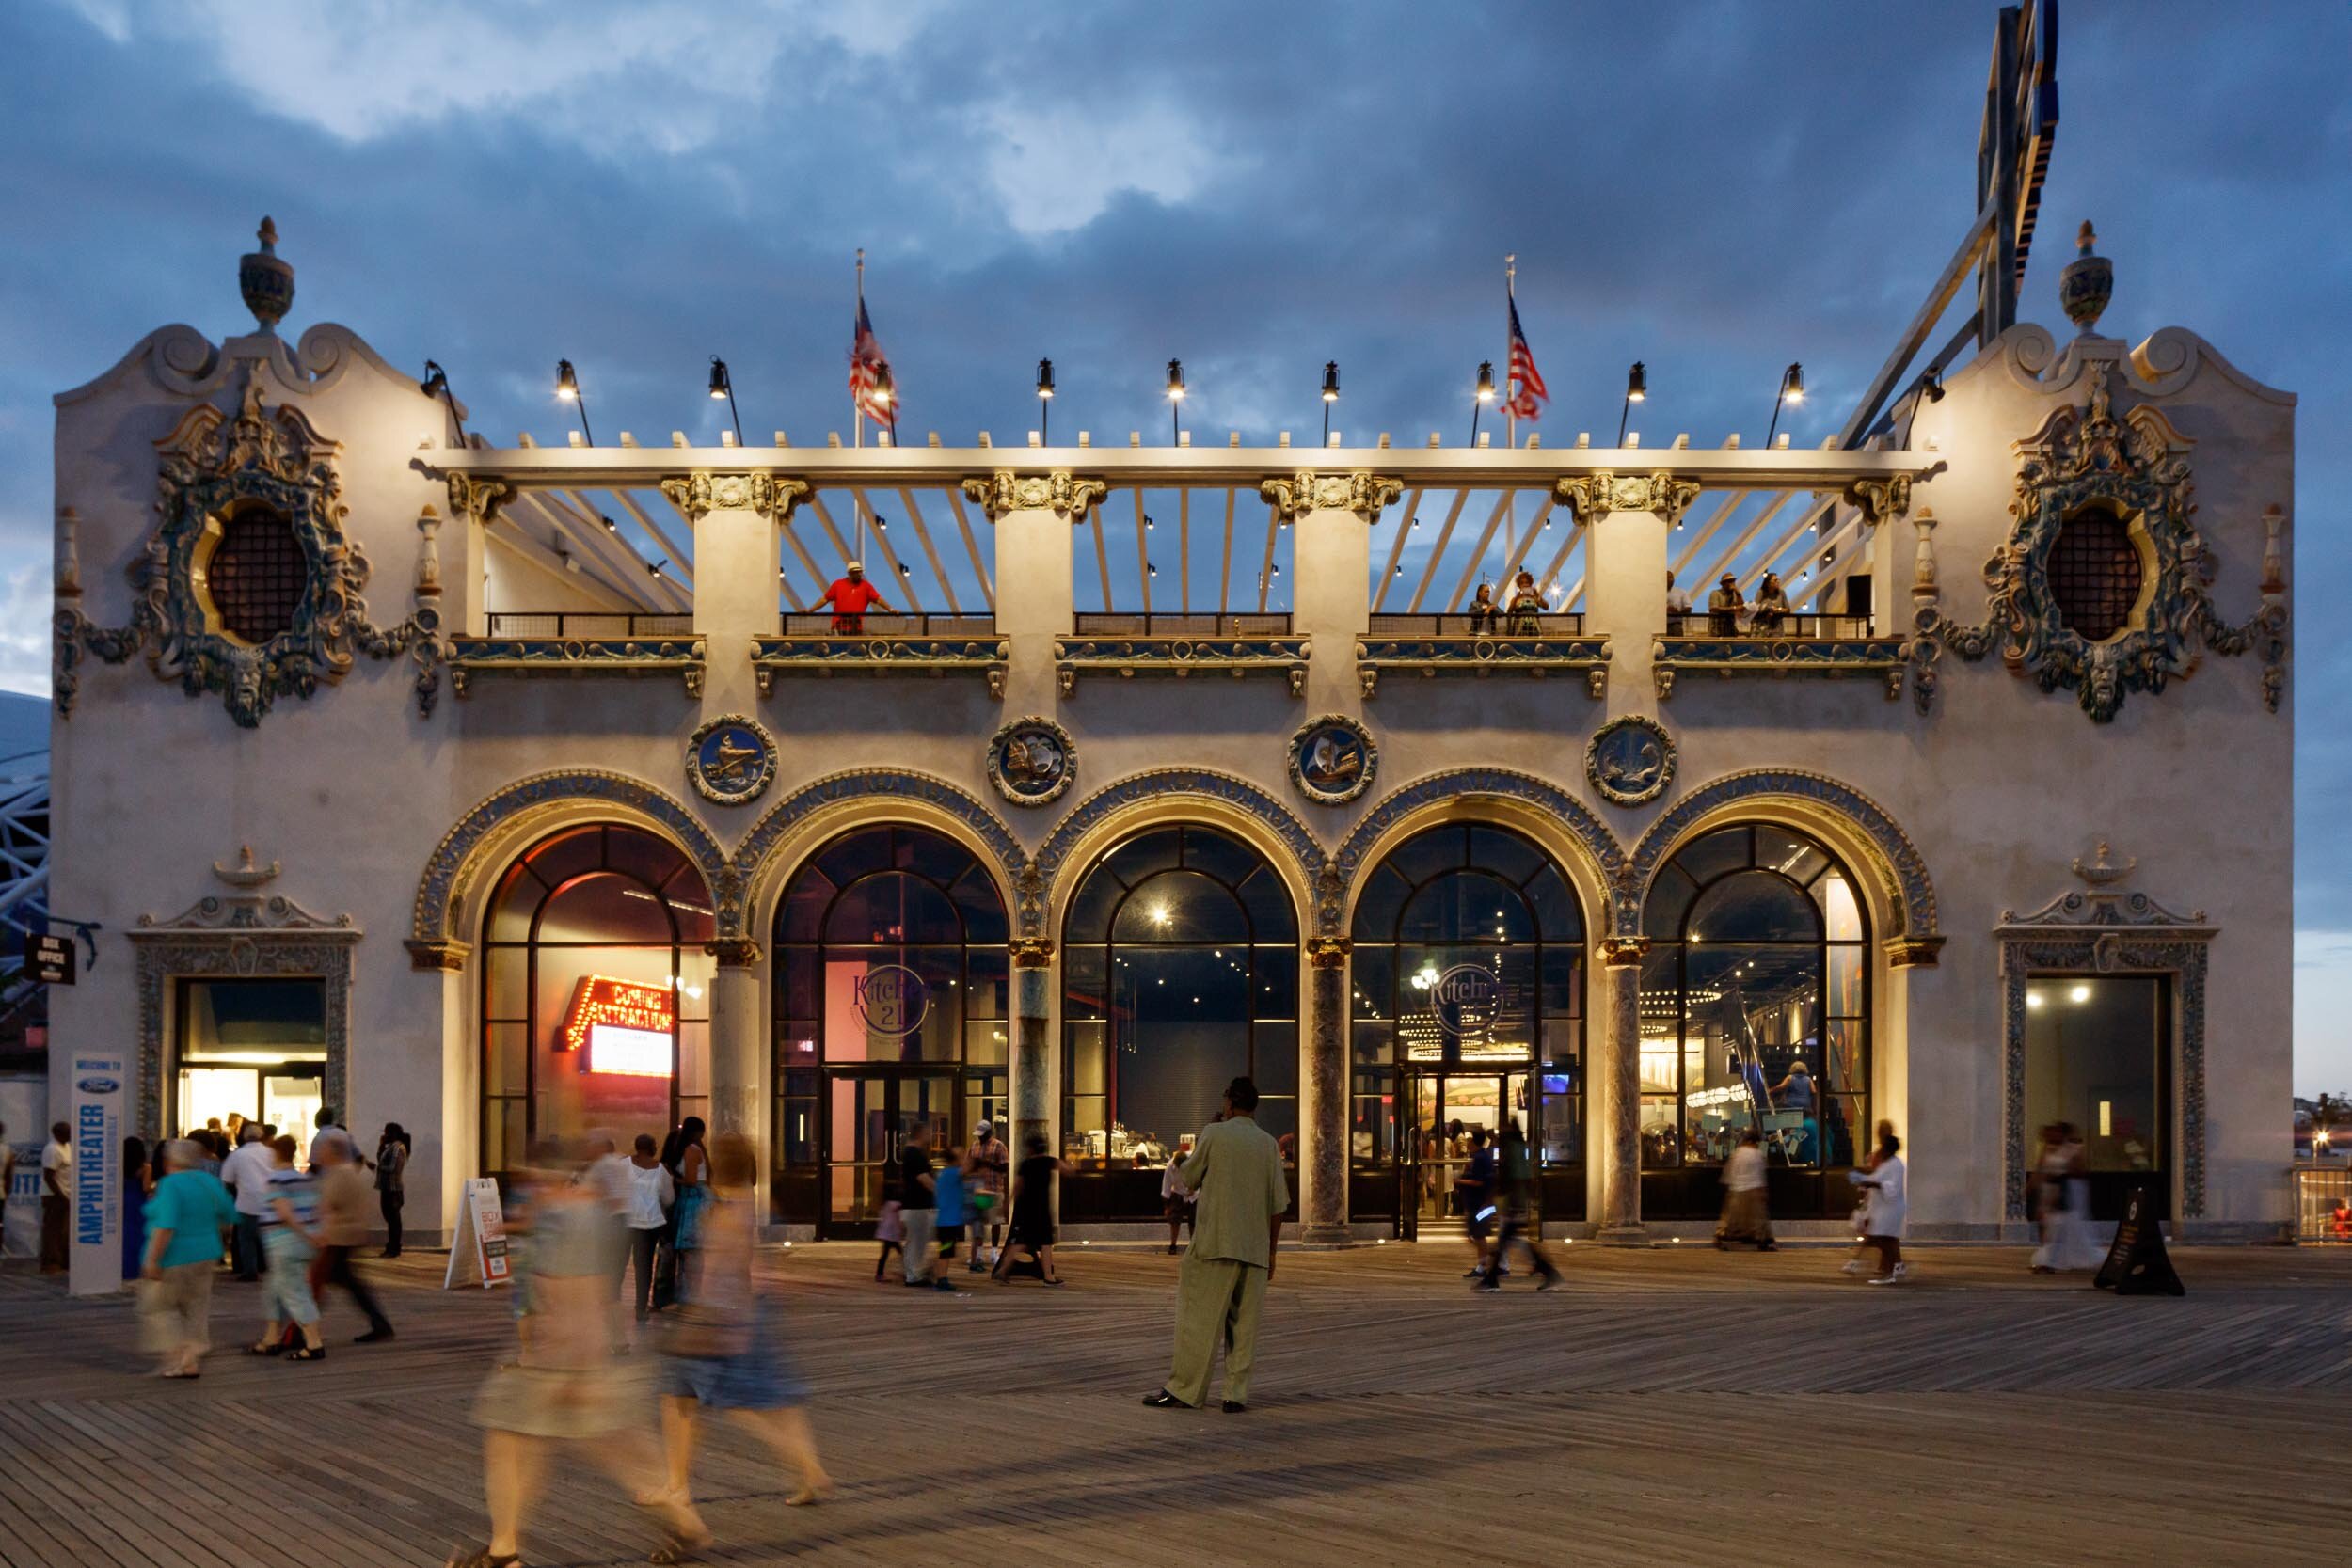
(49, 960)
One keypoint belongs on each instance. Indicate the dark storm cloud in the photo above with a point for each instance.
(1715, 190)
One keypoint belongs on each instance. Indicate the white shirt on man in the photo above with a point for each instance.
(247, 1171)
(650, 1194)
(56, 1159)
(1744, 1171)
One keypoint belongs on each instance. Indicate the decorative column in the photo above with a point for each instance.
(1621, 1151)
(1032, 1060)
(1034, 515)
(735, 1037)
(1628, 518)
(736, 518)
(1323, 1100)
(472, 502)
(1330, 566)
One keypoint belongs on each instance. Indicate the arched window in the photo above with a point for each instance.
(1468, 1008)
(890, 996)
(1756, 1005)
(595, 991)
(1180, 957)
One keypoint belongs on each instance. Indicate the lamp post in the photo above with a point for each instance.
(1485, 395)
(721, 387)
(436, 385)
(1331, 395)
(1175, 401)
(1636, 390)
(567, 387)
(1791, 390)
(1045, 402)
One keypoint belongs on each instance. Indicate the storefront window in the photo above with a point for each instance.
(1754, 1004)
(891, 994)
(257, 1047)
(2096, 1050)
(1180, 973)
(1468, 1008)
(595, 992)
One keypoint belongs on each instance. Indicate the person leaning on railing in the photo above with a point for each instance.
(1526, 606)
(1770, 607)
(1724, 607)
(851, 596)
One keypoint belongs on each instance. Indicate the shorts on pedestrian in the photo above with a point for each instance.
(559, 1402)
(950, 1237)
(286, 1288)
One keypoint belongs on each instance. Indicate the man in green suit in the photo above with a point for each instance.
(1237, 1170)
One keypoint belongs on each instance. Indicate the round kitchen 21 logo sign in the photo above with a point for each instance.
(1467, 999)
(893, 1000)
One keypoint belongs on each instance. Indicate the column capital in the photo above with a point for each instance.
(734, 951)
(1056, 491)
(1879, 499)
(475, 499)
(1913, 952)
(448, 955)
(1328, 952)
(1360, 491)
(773, 496)
(1032, 952)
(1622, 952)
(1592, 495)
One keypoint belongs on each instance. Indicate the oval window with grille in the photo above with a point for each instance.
(2095, 575)
(253, 578)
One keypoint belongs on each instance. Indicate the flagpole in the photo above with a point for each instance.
(1511, 415)
(857, 409)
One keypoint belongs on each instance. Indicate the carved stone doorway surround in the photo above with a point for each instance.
(244, 934)
(2101, 930)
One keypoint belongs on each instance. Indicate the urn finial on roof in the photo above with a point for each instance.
(2085, 284)
(266, 280)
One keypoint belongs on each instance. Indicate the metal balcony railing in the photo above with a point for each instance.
(876, 624)
(1499, 625)
(1784, 628)
(587, 624)
(1116, 623)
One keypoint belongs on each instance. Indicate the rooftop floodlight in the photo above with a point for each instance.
(1485, 395)
(567, 387)
(1045, 402)
(1636, 390)
(1791, 390)
(723, 386)
(1331, 395)
(1175, 401)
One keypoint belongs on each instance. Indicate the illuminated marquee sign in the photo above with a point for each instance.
(623, 1026)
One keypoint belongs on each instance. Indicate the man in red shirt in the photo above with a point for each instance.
(851, 596)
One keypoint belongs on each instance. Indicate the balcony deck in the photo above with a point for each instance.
(1431, 645)
(1128, 645)
(600, 642)
(1726, 647)
(937, 645)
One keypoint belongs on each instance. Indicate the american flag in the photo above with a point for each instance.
(1526, 401)
(867, 369)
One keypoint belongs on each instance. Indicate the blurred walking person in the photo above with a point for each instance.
(563, 1385)
(392, 1182)
(987, 1168)
(1175, 1202)
(1475, 1192)
(1515, 1196)
(1883, 1216)
(688, 1162)
(918, 1202)
(1236, 1168)
(290, 1240)
(2062, 1204)
(948, 1191)
(186, 1220)
(1032, 1227)
(246, 1173)
(723, 1352)
(343, 1224)
(1747, 1217)
(139, 1182)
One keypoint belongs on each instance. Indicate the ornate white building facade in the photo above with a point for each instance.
(497, 792)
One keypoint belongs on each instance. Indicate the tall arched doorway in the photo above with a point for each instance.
(595, 989)
(890, 992)
(1180, 963)
(1467, 975)
(1755, 1015)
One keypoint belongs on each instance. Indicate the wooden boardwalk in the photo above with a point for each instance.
(1668, 1406)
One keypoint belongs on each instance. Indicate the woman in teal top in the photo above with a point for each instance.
(184, 1221)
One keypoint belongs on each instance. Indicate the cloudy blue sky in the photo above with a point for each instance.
(1716, 189)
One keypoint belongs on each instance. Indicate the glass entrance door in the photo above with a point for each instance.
(871, 1111)
(1447, 1108)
